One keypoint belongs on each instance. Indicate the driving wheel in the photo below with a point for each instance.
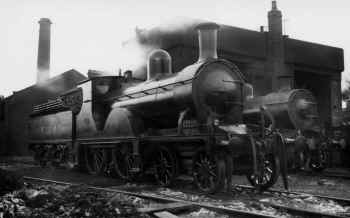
(122, 163)
(165, 166)
(318, 160)
(95, 160)
(268, 172)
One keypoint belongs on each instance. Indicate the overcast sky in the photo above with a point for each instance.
(87, 34)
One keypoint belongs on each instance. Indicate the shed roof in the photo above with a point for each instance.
(55, 84)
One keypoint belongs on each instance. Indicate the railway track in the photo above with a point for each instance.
(295, 195)
(228, 206)
(156, 197)
(332, 175)
(293, 210)
(342, 174)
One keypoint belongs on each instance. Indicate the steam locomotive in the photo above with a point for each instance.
(296, 121)
(200, 121)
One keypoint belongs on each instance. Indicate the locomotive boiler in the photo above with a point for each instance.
(186, 122)
(291, 109)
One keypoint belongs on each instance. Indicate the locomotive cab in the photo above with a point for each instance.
(101, 86)
(96, 93)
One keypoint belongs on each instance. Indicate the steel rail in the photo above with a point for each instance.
(309, 213)
(304, 212)
(343, 201)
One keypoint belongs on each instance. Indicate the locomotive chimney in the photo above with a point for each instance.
(207, 38)
(43, 64)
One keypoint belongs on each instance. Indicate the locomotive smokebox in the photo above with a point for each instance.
(207, 37)
(43, 63)
(292, 109)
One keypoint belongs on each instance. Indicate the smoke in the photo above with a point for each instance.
(55, 86)
(345, 93)
(346, 90)
(134, 56)
(163, 36)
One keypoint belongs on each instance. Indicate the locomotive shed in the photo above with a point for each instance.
(211, 103)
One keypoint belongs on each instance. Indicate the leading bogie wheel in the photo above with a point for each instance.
(209, 172)
(95, 160)
(268, 172)
(165, 166)
(318, 161)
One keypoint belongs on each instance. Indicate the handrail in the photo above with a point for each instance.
(146, 92)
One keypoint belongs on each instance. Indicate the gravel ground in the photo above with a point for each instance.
(101, 202)
(318, 185)
(61, 201)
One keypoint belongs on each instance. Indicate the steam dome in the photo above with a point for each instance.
(159, 62)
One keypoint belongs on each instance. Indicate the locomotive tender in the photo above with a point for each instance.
(173, 123)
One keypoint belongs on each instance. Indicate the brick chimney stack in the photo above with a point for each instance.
(275, 20)
(43, 64)
(280, 79)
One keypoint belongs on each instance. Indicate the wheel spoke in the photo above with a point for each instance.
(211, 182)
(267, 178)
(269, 170)
(212, 173)
(199, 164)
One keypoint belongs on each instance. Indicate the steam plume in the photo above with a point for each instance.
(161, 37)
